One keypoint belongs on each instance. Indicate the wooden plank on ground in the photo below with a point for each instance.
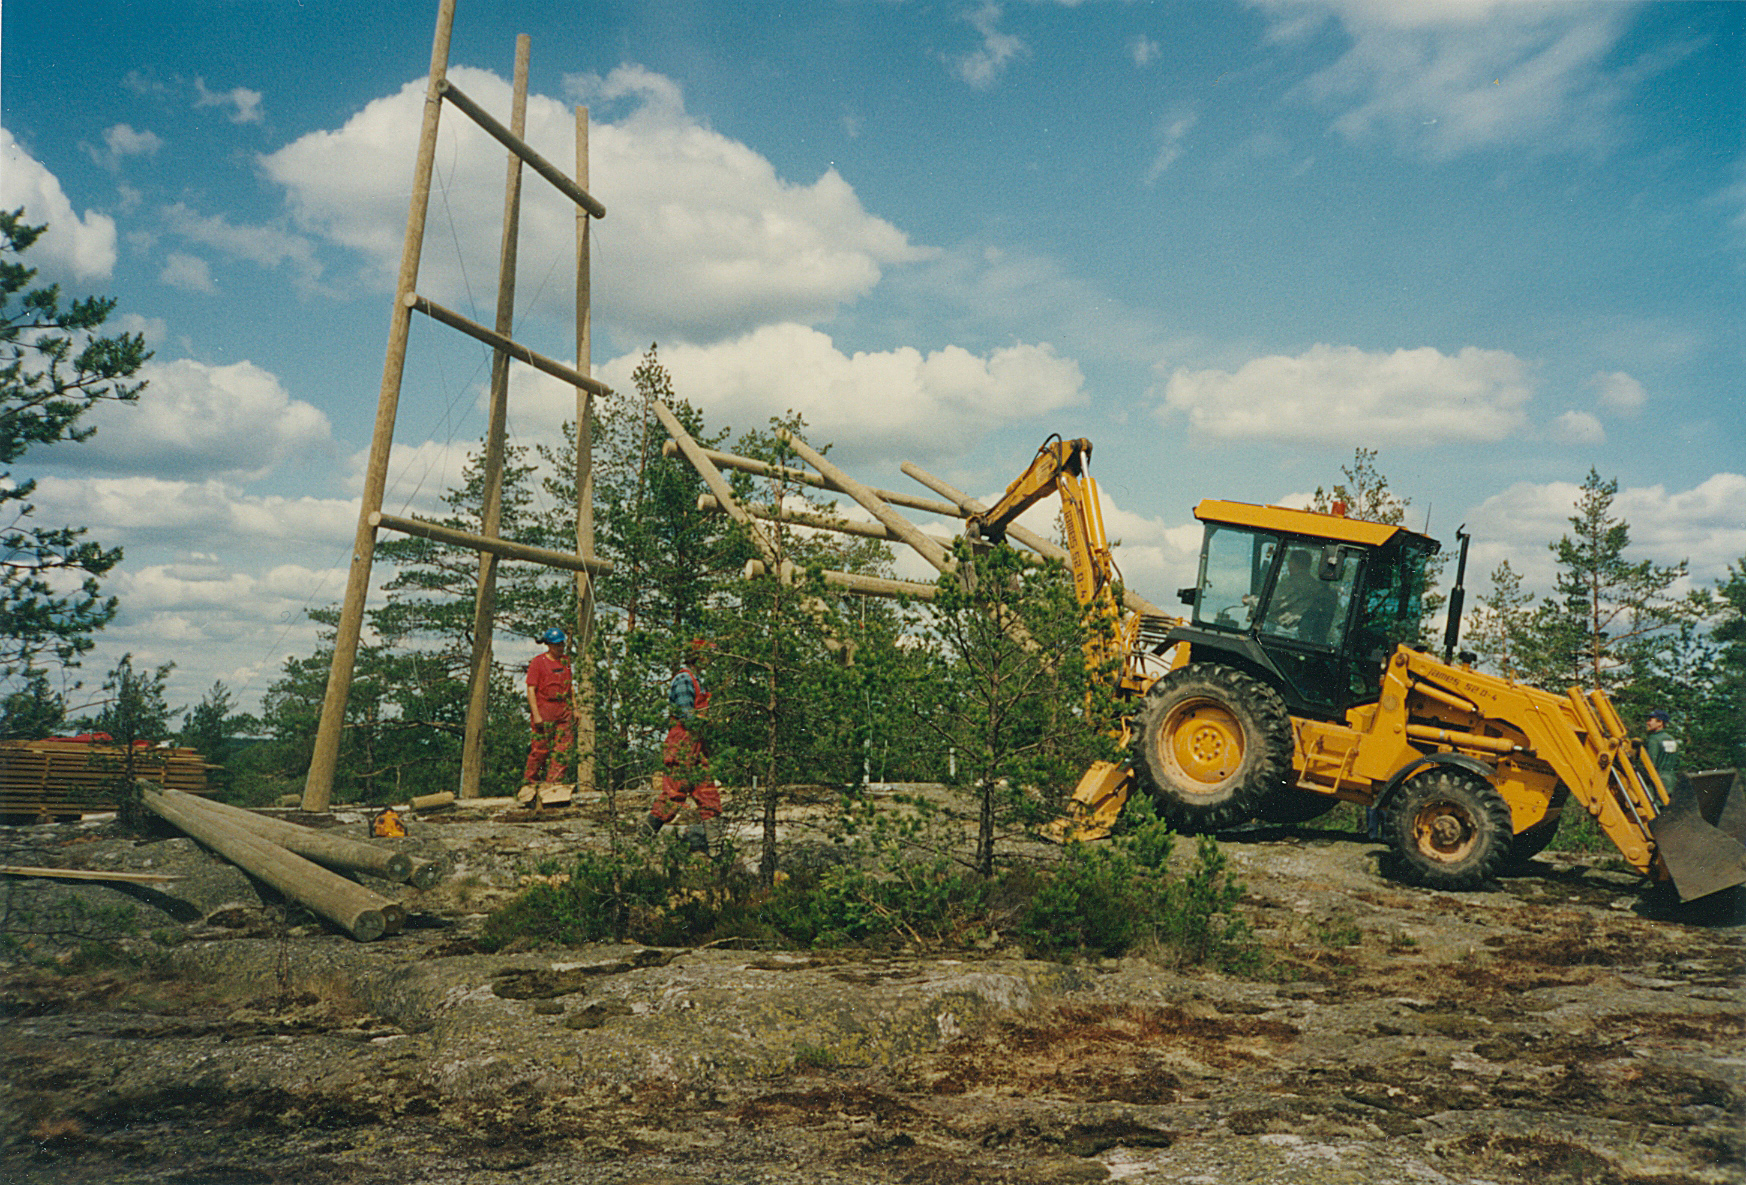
(89, 874)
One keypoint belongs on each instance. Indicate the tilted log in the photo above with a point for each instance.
(509, 550)
(712, 478)
(364, 915)
(855, 582)
(968, 506)
(801, 477)
(922, 545)
(325, 848)
(710, 504)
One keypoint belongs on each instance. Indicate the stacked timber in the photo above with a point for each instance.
(302, 863)
(57, 778)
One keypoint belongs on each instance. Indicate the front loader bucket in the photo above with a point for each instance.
(1721, 797)
(1700, 856)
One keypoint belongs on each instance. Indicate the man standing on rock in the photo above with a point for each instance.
(548, 708)
(684, 760)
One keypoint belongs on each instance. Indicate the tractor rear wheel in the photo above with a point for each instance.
(1212, 743)
(1450, 829)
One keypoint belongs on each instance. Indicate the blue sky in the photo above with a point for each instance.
(1498, 242)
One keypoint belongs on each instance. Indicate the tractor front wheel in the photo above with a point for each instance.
(1212, 744)
(1450, 829)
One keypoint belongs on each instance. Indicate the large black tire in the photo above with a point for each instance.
(1530, 843)
(1212, 743)
(1450, 829)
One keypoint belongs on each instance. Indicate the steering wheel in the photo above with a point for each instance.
(1223, 616)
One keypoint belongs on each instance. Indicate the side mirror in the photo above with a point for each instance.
(1188, 596)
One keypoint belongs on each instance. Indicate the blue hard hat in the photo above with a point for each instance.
(1659, 714)
(553, 637)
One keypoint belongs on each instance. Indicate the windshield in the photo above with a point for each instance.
(1233, 568)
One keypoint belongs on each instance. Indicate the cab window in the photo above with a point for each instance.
(1233, 570)
(1303, 607)
(1389, 614)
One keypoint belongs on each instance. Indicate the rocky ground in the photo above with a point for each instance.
(1568, 1026)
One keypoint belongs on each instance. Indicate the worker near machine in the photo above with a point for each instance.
(548, 709)
(1662, 748)
(1303, 604)
(684, 757)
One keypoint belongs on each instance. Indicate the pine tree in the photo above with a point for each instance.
(786, 645)
(1014, 694)
(54, 367)
(1609, 619)
(1499, 630)
(207, 729)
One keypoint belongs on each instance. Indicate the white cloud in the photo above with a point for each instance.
(1173, 129)
(1618, 392)
(190, 515)
(267, 246)
(702, 239)
(1142, 50)
(418, 474)
(244, 104)
(187, 272)
(216, 622)
(153, 329)
(1704, 525)
(121, 142)
(1155, 557)
(196, 420)
(1336, 394)
(983, 66)
(899, 401)
(1578, 427)
(82, 248)
(1446, 77)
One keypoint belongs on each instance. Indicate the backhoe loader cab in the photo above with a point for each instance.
(1312, 603)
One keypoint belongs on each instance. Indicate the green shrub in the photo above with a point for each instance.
(927, 901)
(1110, 898)
(591, 902)
(902, 885)
(1097, 900)
(1578, 832)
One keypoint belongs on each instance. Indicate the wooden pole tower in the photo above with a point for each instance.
(318, 788)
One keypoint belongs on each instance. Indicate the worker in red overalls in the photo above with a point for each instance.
(684, 759)
(548, 708)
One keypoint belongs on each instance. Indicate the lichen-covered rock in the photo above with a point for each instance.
(1539, 1034)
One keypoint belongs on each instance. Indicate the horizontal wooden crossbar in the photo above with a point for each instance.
(521, 148)
(510, 346)
(499, 547)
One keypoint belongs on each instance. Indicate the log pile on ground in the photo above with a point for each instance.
(299, 862)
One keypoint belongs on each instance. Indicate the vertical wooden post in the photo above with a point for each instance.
(491, 513)
(318, 787)
(582, 665)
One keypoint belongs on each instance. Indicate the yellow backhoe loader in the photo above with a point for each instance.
(1296, 683)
